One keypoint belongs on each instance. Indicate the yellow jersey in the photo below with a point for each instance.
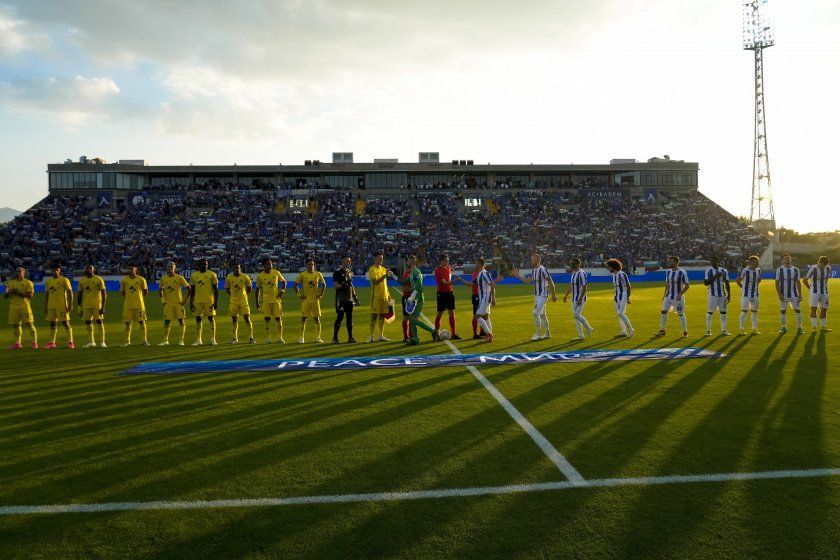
(378, 291)
(171, 288)
(268, 283)
(202, 283)
(24, 286)
(56, 289)
(308, 282)
(238, 286)
(133, 289)
(91, 289)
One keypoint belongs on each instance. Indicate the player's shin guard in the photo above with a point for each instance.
(437, 321)
(235, 329)
(372, 326)
(34, 332)
(755, 320)
(53, 332)
(101, 326)
(250, 327)
(544, 322)
(280, 329)
(584, 322)
(723, 319)
(742, 320)
(199, 327)
(128, 333)
(783, 318)
(18, 333)
(89, 327)
(167, 326)
(380, 327)
(145, 329)
(823, 321)
(69, 331)
(183, 326)
(709, 321)
(317, 327)
(683, 322)
(663, 319)
(799, 319)
(579, 329)
(537, 324)
(624, 322)
(267, 328)
(814, 322)
(483, 324)
(452, 324)
(475, 327)
(406, 325)
(213, 330)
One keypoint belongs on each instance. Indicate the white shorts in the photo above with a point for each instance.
(749, 303)
(818, 300)
(483, 308)
(678, 305)
(578, 309)
(716, 302)
(539, 304)
(793, 302)
(620, 306)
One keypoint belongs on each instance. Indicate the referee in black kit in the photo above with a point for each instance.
(345, 296)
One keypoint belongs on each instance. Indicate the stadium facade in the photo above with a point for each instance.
(128, 177)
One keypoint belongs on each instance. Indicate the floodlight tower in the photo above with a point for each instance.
(758, 36)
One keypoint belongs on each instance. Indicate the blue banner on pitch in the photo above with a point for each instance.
(445, 360)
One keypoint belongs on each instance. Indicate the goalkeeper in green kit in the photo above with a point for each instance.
(414, 303)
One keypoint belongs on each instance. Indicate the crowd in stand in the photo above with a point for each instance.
(228, 226)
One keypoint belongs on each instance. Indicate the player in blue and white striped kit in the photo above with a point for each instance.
(719, 294)
(577, 288)
(543, 289)
(790, 292)
(816, 280)
(748, 281)
(621, 296)
(676, 285)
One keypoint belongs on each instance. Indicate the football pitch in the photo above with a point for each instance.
(733, 457)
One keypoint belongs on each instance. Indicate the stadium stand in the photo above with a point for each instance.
(227, 223)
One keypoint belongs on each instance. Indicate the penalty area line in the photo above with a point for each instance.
(416, 495)
(563, 464)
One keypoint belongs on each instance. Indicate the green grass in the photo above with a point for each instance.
(72, 431)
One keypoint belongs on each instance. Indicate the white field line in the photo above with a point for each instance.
(416, 495)
(571, 473)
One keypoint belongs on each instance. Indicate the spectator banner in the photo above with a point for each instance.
(390, 362)
(600, 194)
(104, 199)
(650, 196)
(170, 198)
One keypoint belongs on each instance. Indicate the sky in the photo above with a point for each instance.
(493, 81)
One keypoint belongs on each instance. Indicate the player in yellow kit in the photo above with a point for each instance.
(20, 290)
(238, 286)
(134, 289)
(57, 305)
(378, 276)
(204, 299)
(268, 296)
(91, 304)
(310, 286)
(172, 287)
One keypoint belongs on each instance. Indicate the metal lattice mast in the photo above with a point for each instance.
(758, 36)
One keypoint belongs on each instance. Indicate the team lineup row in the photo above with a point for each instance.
(201, 294)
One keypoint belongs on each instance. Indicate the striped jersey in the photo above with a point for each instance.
(540, 277)
(577, 282)
(750, 279)
(819, 278)
(485, 286)
(621, 286)
(675, 281)
(788, 277)
(716, 287)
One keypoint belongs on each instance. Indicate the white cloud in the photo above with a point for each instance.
(70, 102)
(16, 36)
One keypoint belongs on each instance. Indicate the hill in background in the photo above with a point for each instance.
(7, 214)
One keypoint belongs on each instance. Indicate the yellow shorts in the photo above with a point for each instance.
(136, 314)
(57, 314)
(91, 314)
(20, 314)
(173, 311)
(274, 310)
(379, 306)
(310, 308)
(204, 309)
(239, 309)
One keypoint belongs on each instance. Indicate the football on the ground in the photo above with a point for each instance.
(445, 334)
